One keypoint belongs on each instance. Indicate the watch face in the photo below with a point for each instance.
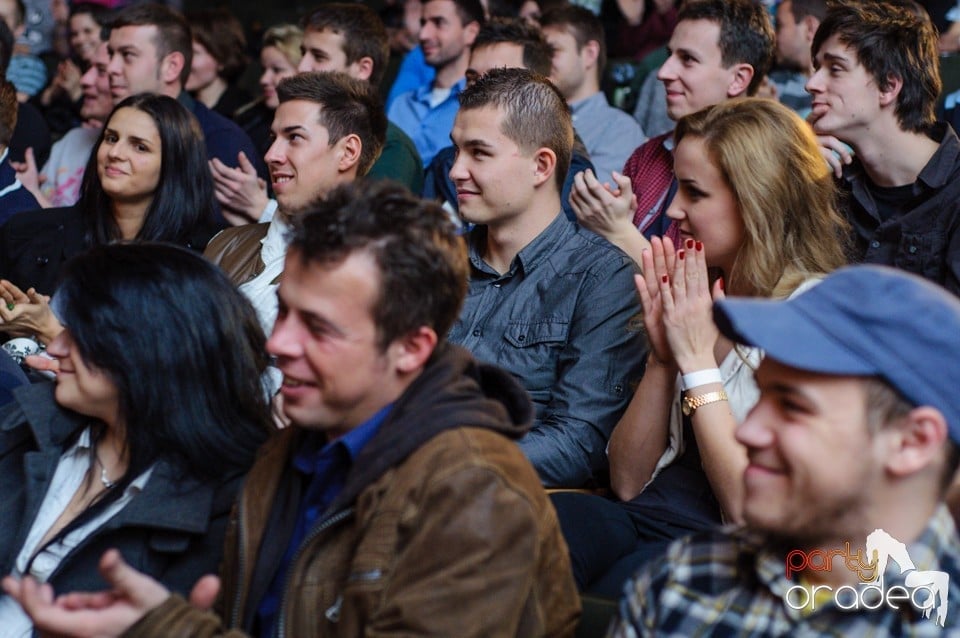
(685, 407)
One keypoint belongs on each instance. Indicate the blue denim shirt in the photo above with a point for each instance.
(560, 321)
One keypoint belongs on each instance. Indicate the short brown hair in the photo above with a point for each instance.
(416, 246)
(347, 105)
(364, 35)
(173, 30)
(535, 114)
(220, 33)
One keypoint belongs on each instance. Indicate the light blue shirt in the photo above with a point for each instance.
(428, 127)
(610, 135)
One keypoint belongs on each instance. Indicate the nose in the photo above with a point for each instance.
(275, 154)
(458, 171)
(265, 77)
(426, 30)
(668, 70)
(753, 432)
(284, 341)
(89, 78)
(58, 347)
(306, 63)
(677, 208)
(113, 66)
(815, 83)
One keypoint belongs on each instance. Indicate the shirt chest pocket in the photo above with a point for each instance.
(531, 351)
(922, 254)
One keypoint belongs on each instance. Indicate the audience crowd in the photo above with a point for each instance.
(480, 318)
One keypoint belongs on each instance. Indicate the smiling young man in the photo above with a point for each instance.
(398, 503)
(875, 89)
(328, 129)
(855, 435)
(447, 29)
(549, 301)
(719, 50)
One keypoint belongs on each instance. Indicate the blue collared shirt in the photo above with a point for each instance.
(429, 128)
(325, 465)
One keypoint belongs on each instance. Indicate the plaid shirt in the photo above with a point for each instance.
(724, 583)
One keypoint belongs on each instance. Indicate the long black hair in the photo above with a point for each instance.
(183, 348)
(182, 205)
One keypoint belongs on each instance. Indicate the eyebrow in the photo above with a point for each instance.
(471, 143)
(289, 129)
(833, 57)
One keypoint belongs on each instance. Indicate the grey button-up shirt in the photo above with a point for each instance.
(561, 321)
(609, 134)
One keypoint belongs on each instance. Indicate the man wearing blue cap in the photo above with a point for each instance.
(851, 448)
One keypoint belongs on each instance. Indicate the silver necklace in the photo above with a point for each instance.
(107, 483)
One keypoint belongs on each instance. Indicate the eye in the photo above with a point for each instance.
(143, 148)
(110, 137)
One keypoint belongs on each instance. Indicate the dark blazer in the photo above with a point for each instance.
(173, 530)
(36, 244)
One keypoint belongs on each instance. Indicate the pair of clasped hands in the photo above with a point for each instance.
(677, 300)
(28, 314)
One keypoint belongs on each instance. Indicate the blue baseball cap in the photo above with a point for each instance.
(862, 320)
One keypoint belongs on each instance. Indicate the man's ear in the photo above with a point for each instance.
(171, 66)
(362, 68)
(350, 147)
(742, 75)
(470, 31)
(811, 24)
(545, 163)
(889, 93)
(411, 351)
(590, 53)
(917, 442)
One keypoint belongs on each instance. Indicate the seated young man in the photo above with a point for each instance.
(875, 89)
(851, 448)
(549, 301)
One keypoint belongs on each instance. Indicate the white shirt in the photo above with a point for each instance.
(69, 476)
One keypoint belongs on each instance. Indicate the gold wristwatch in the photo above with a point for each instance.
(690, 404)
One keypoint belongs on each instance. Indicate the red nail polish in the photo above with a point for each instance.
(721, 283)
(689, 244)
(663, 279)
(679, 254)
(699, 246)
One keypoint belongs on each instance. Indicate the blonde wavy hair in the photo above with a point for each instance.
(287, 38)
(784, 190)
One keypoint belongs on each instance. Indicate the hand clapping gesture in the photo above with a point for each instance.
(677, 305)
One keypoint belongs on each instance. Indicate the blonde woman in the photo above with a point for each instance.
(755, 210)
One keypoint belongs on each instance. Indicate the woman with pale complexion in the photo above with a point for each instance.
(146, 180)
(239, 189)
(84, 26)
(218, 60)
(142, 441)
(755, 210)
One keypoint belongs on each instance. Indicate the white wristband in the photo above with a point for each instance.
(701, 377)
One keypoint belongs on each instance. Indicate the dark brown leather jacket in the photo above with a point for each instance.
(237, 251)
(442, 528)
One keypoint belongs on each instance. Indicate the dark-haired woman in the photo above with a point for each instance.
(146, 180)
(143, 440)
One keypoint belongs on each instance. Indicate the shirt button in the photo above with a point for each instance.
(521, 337)
(913, 250)
(618, 389)
(476, 333)
(874, 244)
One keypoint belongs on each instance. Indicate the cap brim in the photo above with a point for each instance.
(788, 335)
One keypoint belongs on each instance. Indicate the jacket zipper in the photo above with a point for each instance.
(241, 555)
(316, 531)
